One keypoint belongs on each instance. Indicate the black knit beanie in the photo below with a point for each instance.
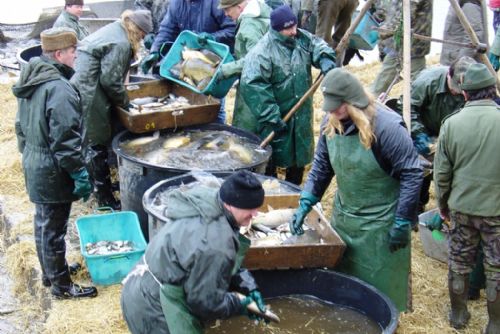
(242, 190)
(282, 18)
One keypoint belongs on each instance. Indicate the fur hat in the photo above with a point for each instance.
(242, 190)
(282, 17)
(58, 38)
(341, 86)
(142, 19)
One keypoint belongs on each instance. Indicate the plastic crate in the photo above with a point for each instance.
(217, 88)
(365, 36)
(437, 249)
(124, 225)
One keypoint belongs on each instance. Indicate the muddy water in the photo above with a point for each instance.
(302, 314)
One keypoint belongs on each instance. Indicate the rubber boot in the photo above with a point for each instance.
(70, 290)
(294, 175)
(477, 278)
(100, 175)
(458, 286)
(493, 326)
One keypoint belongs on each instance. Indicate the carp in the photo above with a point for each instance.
(105, 247)
(273, 218)
(197, 71)
(188, 53)
(176, 142)
(141, 101)
(241, 152)
(253, 308)
(135, 143)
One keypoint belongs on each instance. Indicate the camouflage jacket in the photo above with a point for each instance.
(421, 23)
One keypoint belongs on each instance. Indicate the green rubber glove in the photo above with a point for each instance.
(422, 144)
(306, 202)
(149, 40)
(399, 234)
(149, 61)
(257, 297)
(436, 222)
(494, 60)
(83, 187)
(203, 37)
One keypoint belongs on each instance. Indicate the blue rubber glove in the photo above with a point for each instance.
(326, 64)
(149, 40)
(399, 234)
(421, 143)
(83, 187)
(436, 222)
(494, 60)
(203, 37)
(306, 202)
(149, 61)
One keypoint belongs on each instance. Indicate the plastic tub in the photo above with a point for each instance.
(217, 88)
(437, 249)
(365, 36)
(124, 225)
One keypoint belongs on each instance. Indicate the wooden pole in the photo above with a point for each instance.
(407, 63)
(342, 46)
(473, 37)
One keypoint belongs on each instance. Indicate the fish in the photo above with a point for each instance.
(105, 247)
(141, 141)
(141, 101)
(241, 152)
(309, 237)
(273, 239)
(212, 56)
(197, 71)
(188, 54)
(176, 142)
(273, 218)
(253, 308)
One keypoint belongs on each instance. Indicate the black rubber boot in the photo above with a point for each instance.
(493, 326)
(97, 165)
(73, 268)
(458, 286)
(477, 279)
(73, 290)
(294, 175)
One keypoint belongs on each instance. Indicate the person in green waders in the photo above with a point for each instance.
(367, 147)
(191, 266)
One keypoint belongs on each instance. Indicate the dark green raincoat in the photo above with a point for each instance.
(101, 68)
(193, 254)
(48, 127)
(277, 73)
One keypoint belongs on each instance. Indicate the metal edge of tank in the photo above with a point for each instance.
(212, 126)
(334, 287)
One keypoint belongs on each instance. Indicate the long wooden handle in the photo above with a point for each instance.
(294, 109)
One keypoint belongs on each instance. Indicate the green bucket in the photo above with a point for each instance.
(216, 88)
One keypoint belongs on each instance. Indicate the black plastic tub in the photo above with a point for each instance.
(24, 55)
(334, 287)
(157, 220)
(136, 175)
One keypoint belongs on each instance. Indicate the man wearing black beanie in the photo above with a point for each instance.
(70, 16)
(275, 76)
(192, 265)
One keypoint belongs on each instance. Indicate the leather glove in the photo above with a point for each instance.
(421, 143)
(149, 40)
(83, 187)
(436, 222)
(203, 37)
(306, 202)
(326, 64)
(399, 234)
(149, 61)
(494, 60)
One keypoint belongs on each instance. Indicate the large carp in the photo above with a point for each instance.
(197, 67)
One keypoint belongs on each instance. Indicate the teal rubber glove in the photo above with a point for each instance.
(203, 37)
(399, 234)
(83, 187)
(436, 222)
(326, 64)
(149, 61)
(421, 143)
(494, 60)
(257, 298)
(149, 40)
(306, 202)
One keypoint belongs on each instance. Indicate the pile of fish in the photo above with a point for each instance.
(195, 149)
(271, 228)
(197, 67)
(150, 104)
(106, 247)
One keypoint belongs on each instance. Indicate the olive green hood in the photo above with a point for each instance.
(200, 201)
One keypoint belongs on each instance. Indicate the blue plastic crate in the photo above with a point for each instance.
(124, 225)
(217, 88)
(365, 36)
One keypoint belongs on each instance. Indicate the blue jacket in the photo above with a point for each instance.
(197, 16)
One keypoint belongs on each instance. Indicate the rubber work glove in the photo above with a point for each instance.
(326, 64)
(494, 60)
(149, 61)
(421, 143)
(436, 222)
(399, 234)
(148, 40)
(83, 187)
(306, 202)
(257, 297)
(203, 37)
(244, 310)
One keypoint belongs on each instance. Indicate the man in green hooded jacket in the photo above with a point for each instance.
(276, 74)
(48, 129)
(193, 263)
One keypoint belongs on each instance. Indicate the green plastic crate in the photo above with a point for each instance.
(216, 88)
(124, 225)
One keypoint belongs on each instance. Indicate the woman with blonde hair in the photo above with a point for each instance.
(102, 64)
(367, 147)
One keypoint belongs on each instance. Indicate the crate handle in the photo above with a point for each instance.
(104, 208)
(118, 256)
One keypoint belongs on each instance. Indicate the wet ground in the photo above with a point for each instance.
(9, 306)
